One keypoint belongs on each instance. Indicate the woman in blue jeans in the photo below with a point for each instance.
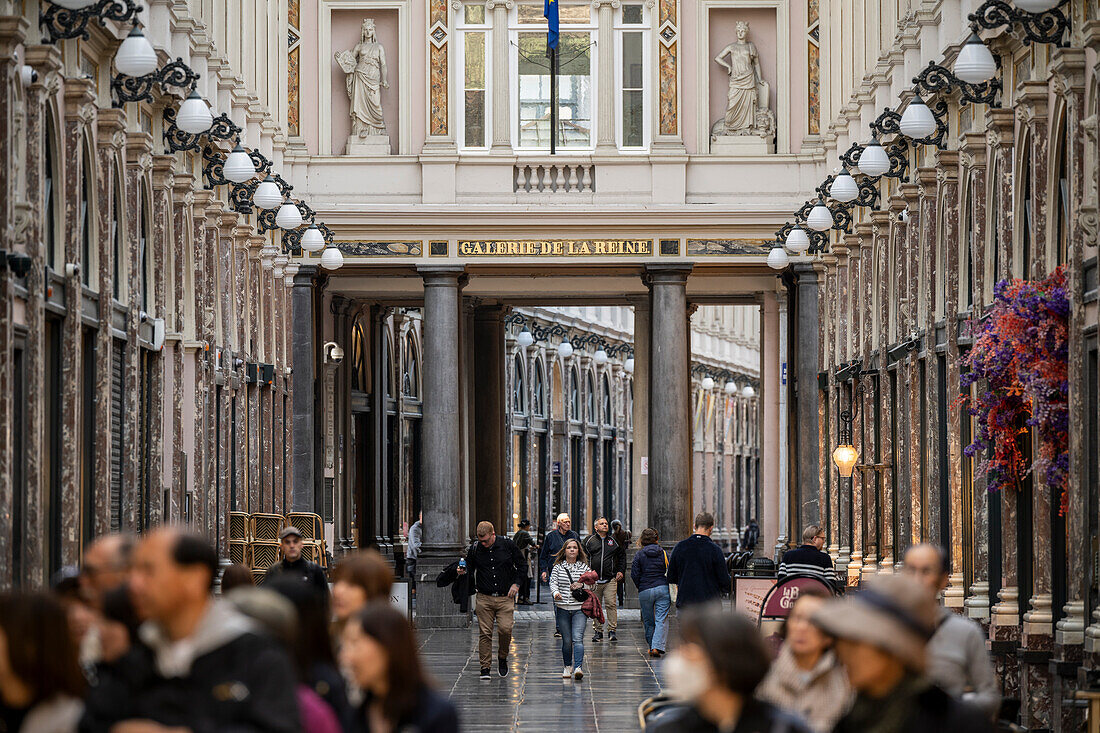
(648, 573)
(569, 566)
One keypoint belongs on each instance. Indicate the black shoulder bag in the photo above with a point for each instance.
(579, 594)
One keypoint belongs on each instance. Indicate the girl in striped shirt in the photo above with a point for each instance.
(569, 565)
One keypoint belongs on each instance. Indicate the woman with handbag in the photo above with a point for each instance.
(569, 595)
(649, 573)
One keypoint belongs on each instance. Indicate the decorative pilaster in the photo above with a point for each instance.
(605, 101)
(306, 496)
(502, 110)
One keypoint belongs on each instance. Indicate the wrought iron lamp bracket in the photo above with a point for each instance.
(936, 78)
(61, 23)
(140, 88)
(850, 157)
(1049, 27)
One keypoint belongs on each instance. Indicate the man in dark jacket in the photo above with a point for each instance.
(697, 566)
(808, 559)
(199, 665)
(527, 547)
(881, 634)
(293, 565)
(498, 571)
(553, 542)
(608, 559)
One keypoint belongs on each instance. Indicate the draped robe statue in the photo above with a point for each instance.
(365, 66)
(747, 110)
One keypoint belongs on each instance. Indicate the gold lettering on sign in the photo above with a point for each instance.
(557, 248)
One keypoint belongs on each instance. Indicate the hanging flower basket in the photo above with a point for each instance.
(1021, 352)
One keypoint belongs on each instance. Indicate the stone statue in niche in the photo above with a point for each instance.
(365, 66)
(748, 127)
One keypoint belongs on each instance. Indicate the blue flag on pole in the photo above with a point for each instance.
(550, 12)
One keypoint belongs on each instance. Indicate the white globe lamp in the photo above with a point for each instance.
(312, 239)
(135, 57)
(628, 365)
(332, 258)
(194, 115)
(600, 356)
(267, 195)
(525, 339)
(777, 258)
(1036, 6)
(820, 219)
(730, 388)
(565, 349)
(844, 188)
(798, 241)
(975, 63)
(874, 161)
(748, 391)
(289, 215)
(708, 384)
(238, 166)
(917, 121)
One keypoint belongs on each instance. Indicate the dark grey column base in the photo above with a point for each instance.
(435, 608)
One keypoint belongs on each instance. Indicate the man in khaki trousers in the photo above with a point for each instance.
(608, 559)
(498, 569)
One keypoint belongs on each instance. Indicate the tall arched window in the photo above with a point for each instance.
(144, 262)
(359, 380)
(606, 401)
(1025, 208)
(966, 242)
(1061, 182)
(574, 396)
(116, 238)
(590, 398)
(50, 200)
(538, 396)
(86, 253)
(410, 381)
(519, 387)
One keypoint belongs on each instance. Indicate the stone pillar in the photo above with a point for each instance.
(767, 514)
(306, 497)
(502, 118)
(441, 465)
(784, 535)
(490, 417)
(807, 350)
(669, 408)
(605, 103)
(639, 516)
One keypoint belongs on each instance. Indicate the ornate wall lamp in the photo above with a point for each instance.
(1041, 21)
(66, 19)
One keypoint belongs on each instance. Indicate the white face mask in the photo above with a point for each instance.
(684, 679)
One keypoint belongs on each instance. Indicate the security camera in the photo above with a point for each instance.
(72, 269)
(333, 353)
(903, 215)
(27, 75)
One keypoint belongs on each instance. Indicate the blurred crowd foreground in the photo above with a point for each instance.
(137, 641)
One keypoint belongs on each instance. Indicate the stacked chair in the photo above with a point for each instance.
(254, 540)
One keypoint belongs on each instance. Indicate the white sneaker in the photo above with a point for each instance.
(566, 673)
(578, 674)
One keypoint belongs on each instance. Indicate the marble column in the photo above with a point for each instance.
(669, 409)
(605, 100)
(639, 515)
(502, 117)
(441, 465)
(490, 433)
(306, 497)
(785, 532)
(807, 351)
(767, 514)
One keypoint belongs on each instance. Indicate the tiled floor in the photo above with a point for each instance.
(534, 697)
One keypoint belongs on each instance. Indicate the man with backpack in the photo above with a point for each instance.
(608, 559)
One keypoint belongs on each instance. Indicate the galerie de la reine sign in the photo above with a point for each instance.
(556, 248)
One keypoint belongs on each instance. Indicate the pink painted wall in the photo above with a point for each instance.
(346, 32)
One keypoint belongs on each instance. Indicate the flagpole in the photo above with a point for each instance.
(553, 100)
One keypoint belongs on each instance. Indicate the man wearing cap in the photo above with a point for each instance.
(526, 545)
(293, 565)
(957, 659)
(881, 635)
